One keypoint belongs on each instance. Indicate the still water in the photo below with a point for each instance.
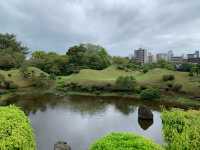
(81, 120)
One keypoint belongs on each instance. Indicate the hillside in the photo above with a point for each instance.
(153, 77)
(17, 78)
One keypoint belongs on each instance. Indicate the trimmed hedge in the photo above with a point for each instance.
(124, 141)
(181, 129)
(15, 130)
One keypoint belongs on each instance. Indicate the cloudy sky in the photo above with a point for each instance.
(119, 25)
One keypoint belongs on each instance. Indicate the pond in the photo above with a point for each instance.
(80, 120)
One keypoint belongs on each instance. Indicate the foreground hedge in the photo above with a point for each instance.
(124, 141)
(181, 129)
(15, 130)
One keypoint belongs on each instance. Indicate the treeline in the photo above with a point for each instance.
(13, 54)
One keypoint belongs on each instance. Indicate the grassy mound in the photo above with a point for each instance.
(17, 78)
(181, 129)
(89, 76)
(151, 78)
(124, 141)
(15, 130)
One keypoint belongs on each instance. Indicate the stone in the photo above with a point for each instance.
(61, 146)
(145, 124)
(145, 113)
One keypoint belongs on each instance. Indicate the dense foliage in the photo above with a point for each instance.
(12, 52)
(125, 63)
(126, 83)
(181, 129)
(51, 63)
(124, 141)
(88, 56)
(150, 94)
(15, 130)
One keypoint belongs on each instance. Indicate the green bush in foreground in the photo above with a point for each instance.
(15, 130)
(149, 94)
(124, 141)
(181, 129)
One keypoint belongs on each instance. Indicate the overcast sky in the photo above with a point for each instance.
(118, 25)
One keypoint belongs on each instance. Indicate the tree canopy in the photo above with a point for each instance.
(12, 52)
(88, 56)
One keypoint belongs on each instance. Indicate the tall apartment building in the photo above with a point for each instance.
(140, 56)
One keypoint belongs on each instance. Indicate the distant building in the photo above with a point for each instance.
(194, 55)
(140, 56)
(150, 58)
(162, 56)
(170, 54)
(177, 59)
(194, 60)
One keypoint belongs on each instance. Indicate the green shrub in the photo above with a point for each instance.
(181, 129)
(191, 74)
(124, 141)
(145, 70)
(168, 77)
(149, 94)
(177, 87)
(15, 130)
(126, 83)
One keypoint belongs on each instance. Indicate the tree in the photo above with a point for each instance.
(90, 56)
(12, 52)
(51, 63)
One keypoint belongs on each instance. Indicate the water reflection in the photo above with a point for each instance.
(145, 124)
(81, 120)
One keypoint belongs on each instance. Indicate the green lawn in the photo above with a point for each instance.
(152, 78)
(17, 78)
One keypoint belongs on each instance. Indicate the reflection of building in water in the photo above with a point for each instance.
(145, 117)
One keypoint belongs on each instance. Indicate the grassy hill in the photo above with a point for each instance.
(153, 78)
(17, 78)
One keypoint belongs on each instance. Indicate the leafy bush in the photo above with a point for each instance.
(15, 130)
(124, 141)
(181, 129)
(145, 70)
(168, 77)
(177, 87)
(126, 83)
(149, 94)
(191, 74)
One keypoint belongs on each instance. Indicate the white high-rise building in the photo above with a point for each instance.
(140, 56)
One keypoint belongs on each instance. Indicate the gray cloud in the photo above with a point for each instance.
(119, 25)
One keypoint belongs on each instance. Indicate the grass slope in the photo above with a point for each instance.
(17, 77)
(153, 78)
(108, 75)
